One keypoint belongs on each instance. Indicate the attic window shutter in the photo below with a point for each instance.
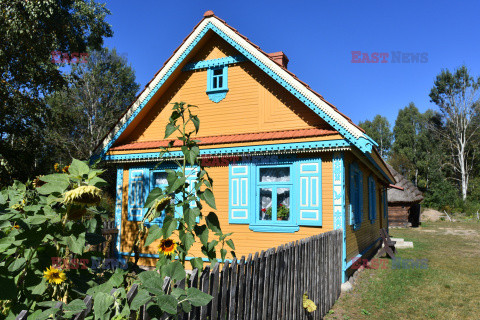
(310, 192)
(239, 194)
(138, 192)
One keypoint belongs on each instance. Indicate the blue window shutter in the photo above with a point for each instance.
(371, 199)
(239, 194)
(360, 197)
(310, 192)
(138, 192)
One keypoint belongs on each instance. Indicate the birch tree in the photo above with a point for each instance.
(457, 96)
(81, 114)
(379, 130)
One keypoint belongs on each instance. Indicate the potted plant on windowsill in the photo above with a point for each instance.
(267, 213)
(283, 212)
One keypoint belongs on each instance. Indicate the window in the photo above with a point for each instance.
(217, 83)
(274, 187)
(276, 198)
(356, 196)
(372, 199)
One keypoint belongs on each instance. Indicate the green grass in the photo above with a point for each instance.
(448, 289)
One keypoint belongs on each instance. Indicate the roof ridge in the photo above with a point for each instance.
(209, 16)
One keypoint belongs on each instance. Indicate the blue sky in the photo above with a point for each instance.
(318, 37)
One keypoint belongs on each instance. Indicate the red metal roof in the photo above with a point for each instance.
(234, 138)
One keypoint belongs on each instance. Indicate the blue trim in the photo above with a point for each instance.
(364, 251)
(118, 206)
(239, 194)
(137, 192)
(369, 156)
(363, 143)
(214, 63)
(274, 228)
(219, 92)
(308, 188)
(217, 96)
(235, 150)
(356, 196)
(339, 217)
(273, 225)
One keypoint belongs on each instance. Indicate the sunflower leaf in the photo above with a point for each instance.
(169, 225)
(175, 271)
(154, 233)
(78, 168)
(197, 297)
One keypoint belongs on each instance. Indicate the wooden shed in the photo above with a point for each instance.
(286, 163)
(403, 205)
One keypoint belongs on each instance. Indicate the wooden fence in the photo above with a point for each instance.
(267, 285)
(110, 233)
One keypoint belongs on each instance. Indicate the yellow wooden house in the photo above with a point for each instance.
(286, 163)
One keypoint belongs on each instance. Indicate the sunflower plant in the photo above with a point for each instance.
(183, 203)
(57, 216)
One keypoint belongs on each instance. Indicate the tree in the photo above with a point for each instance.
(379, 130)
(29, 32)
(406, 131)
(456, 95)
(82, 113)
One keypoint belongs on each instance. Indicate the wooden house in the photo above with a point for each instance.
(403, 202)
(269, 141)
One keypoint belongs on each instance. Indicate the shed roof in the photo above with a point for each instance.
(410, 193)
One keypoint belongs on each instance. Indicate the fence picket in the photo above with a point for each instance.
(233, 290)
(205, 287)
(248, 287)
(268, 286)
(241, 288)
(224, 281)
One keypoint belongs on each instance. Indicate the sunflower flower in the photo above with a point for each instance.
(162, 203)
(56, 166)
(54, 275)
(65, 169)
(84, 195)
(167, 246)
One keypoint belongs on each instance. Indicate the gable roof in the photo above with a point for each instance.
(409, 194)
(327, 111)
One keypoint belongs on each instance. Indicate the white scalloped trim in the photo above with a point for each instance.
(253, 51)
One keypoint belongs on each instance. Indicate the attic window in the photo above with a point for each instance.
(217, 83)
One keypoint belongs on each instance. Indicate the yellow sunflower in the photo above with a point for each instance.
(55, 166)
(54, 275)
(167, 246)
(65, 169)
(84, 195)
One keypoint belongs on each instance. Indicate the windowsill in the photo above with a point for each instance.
(274, 228)
(217, 95)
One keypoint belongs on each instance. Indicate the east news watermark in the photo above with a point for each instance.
(389, 57)
(95, 263)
